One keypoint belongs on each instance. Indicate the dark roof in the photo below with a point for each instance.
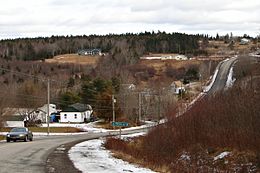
(15, 118)
(77, 107)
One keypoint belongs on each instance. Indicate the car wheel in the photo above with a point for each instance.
(7, 140)
(25, 139)
(31, 138)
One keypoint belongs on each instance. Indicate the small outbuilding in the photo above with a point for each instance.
(15, 121)
(177, 87)
(76, 113)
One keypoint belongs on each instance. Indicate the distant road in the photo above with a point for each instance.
(30, 157)
(222, 76)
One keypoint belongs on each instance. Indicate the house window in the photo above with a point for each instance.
(75, 116)
(65, 116)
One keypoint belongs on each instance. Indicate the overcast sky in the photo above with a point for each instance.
(32, 18)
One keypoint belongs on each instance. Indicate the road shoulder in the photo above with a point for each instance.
(59, 162)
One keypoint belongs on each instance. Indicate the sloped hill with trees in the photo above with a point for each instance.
(133, 45)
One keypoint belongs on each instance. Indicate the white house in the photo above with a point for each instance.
(165, 57)
(244, 41)
(181, 57)
(14, 121)
(91, 52)
(41, 112)
(177, 87)
(76, 113)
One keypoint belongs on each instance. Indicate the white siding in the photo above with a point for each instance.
(14, 124)
(73, 117)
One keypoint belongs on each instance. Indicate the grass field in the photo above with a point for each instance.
(74, 59)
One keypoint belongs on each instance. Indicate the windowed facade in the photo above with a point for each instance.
(75, 116)
(65, 116)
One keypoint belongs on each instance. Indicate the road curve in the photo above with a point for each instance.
(31, 157)
(221, 79)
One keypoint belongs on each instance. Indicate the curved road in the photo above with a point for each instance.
(221, 79)
(30, 157)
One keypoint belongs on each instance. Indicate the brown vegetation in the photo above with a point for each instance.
(74, 59)
(228, 121)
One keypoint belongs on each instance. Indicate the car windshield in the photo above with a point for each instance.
(18, 130)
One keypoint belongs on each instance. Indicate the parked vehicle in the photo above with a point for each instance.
(19, 133)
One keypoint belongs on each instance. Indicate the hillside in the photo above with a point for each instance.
(219, 133)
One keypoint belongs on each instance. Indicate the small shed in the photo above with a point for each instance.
(177, 87)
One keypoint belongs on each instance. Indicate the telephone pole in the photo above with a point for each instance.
(48, 106)
(140, 105)
(113, 107)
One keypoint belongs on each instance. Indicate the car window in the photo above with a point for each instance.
(18, 130)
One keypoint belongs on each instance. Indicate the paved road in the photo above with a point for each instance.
(222, 75)
(30, 157)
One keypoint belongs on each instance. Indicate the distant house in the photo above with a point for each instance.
(244, 41)
(129, 87)
(181, 57)
(177, 87)
(91, 52)
(76, 113)
(165, 57)
(41, 112)
(15, 121)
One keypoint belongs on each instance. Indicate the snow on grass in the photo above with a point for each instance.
(230, 79)
(92, 157)
(221, 155)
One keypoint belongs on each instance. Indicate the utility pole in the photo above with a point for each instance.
(159, 106)
(48, 106)
(140, 105)
(113, 107)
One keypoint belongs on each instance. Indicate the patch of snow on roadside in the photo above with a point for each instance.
(230, 79)
(91, 157)
(207, 88)
(221, 155)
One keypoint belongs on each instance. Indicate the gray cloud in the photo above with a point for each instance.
(64, 17)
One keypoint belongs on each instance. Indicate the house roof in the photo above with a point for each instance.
(77, 107)
(15, 118)
(177, 84)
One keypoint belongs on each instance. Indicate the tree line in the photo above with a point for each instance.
(134, 45)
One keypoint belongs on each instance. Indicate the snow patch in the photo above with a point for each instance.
(207, 88)
(92, 157)
(221, 155)
(230, 79)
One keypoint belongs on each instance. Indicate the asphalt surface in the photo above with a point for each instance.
(221, 79)
(31, 157)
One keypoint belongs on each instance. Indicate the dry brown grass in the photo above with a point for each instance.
(2, 137)
(160, 66)
(74, 59)
(44, 129)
